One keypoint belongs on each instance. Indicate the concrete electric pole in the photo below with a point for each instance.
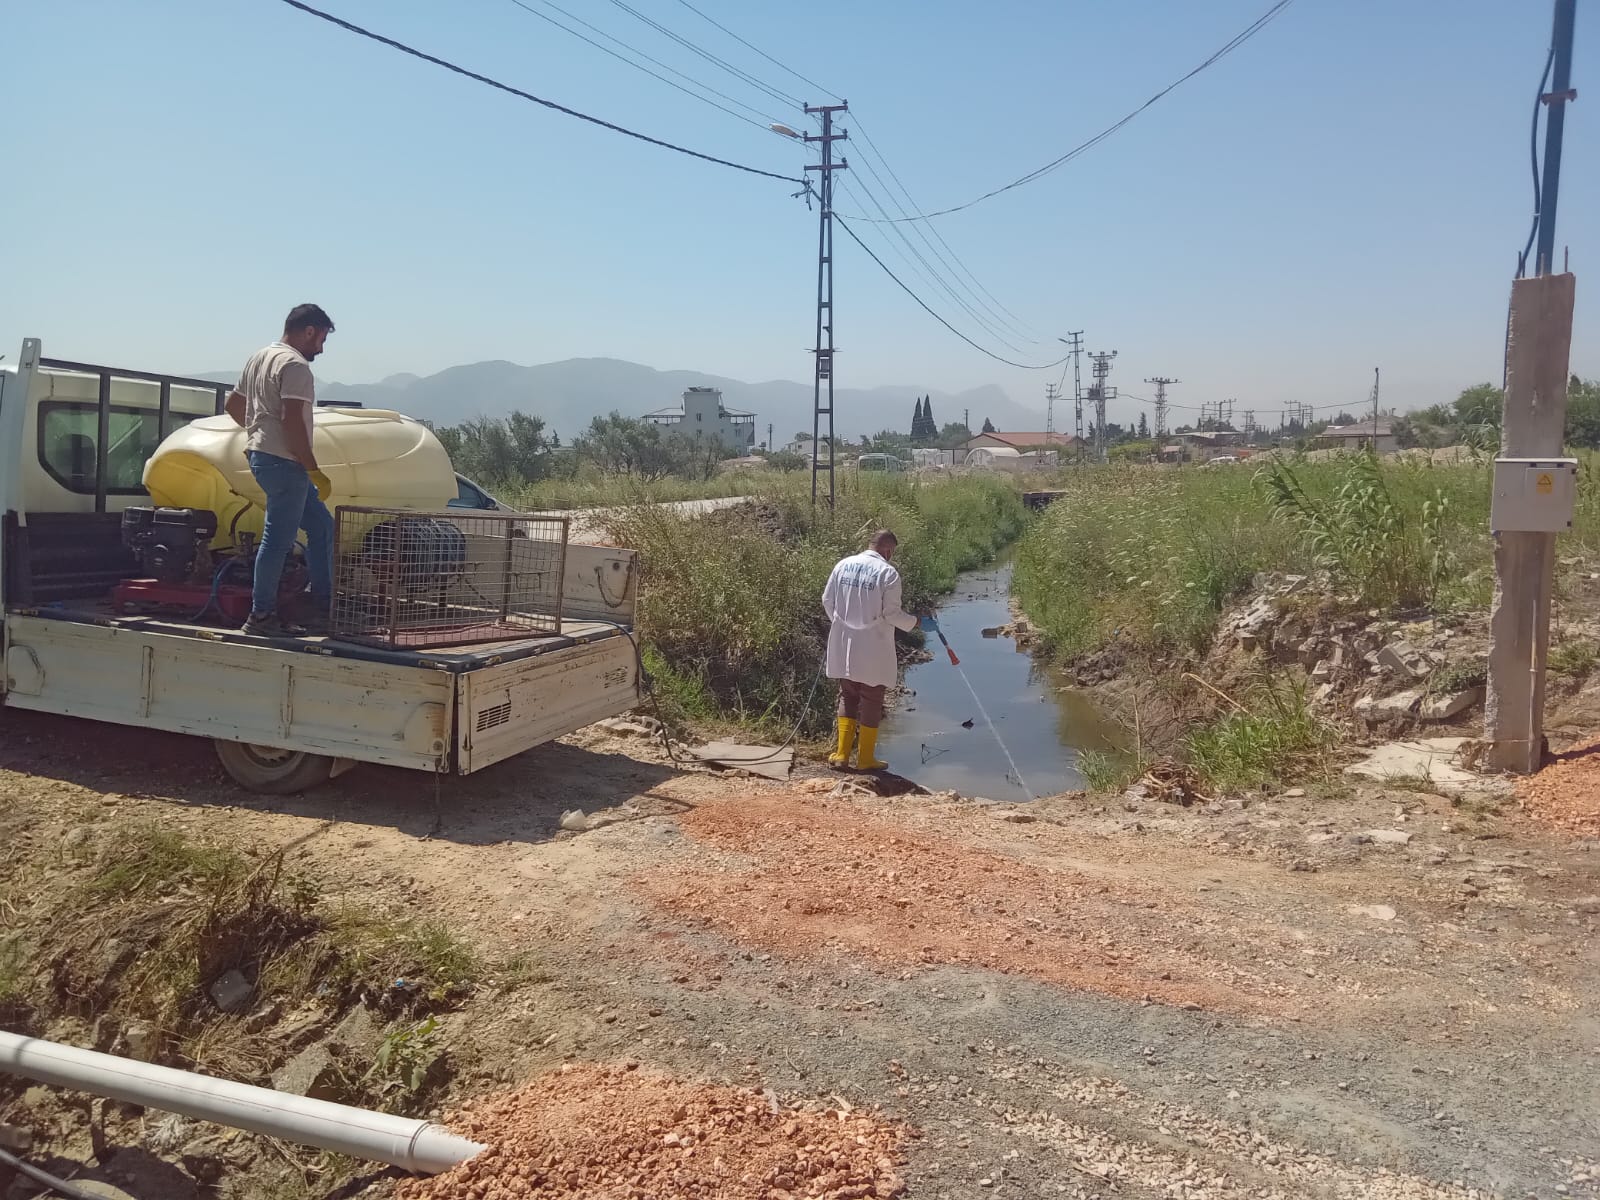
(1533, 483)
(824, 343)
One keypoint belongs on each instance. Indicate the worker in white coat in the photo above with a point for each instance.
(862, 601)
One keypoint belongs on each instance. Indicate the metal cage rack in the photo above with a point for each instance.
(409, 580)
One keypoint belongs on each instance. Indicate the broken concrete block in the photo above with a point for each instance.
(1388, 708)
(231, 991)
(1442, 708)
(311, 1073)
(1324, 693)
(1403, 659)
(1322, 672)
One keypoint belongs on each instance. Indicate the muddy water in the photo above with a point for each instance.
(1043, 722)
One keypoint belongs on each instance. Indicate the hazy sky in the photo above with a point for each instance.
(1348, 189)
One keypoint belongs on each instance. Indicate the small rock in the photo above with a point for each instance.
(1016, 816)
(1587, 904)
(1388, 837)
(1378, 912)
(1401, 658)
(231, 991)
(142, 1041)
(573, 820)
(1322, 672)
(1294, 793)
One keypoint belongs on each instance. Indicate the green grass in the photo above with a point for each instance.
(730, 608)
(1147, 558)
(1277, 739)
(1575, 658)
(149, 860)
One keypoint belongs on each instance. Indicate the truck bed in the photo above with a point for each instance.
(452, 659)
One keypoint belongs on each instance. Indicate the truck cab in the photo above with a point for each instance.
(285, 714)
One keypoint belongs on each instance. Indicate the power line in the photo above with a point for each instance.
(780, 97)
(1238, 40)
(1015, 324)
(766, 118)
(808, 82)
(529, 96)
(923, 305)
(930, 273)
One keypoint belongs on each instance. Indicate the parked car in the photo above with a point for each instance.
(470, 495)
(879, 462)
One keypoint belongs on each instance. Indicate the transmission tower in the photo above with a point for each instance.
(1050, 393)
(1075, 342)
(1099, 393)
(824, 347)
(1161, 383)
(1250, 428)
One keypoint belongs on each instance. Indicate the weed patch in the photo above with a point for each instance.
(1575, 658)
(1275, 739)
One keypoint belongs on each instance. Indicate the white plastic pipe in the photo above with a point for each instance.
(418, 1146)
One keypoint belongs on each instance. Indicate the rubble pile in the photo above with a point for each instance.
(1385, 671)
(627, 1133)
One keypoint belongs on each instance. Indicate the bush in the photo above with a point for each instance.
(1147, 558)
(1277, 739)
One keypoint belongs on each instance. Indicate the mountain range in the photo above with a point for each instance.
(569, 394)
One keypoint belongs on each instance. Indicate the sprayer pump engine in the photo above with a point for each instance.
(172, 545)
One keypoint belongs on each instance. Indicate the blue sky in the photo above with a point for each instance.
(1348, 189)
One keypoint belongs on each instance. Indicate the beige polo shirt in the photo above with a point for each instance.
(270, 383)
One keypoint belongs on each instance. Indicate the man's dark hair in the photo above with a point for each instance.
(884, 535)
(302, 315)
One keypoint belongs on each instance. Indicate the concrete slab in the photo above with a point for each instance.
(767, 761)
(1434, 759)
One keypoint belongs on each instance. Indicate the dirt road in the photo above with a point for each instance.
(1347, 993)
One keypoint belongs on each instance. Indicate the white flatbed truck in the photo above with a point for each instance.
(284, 714)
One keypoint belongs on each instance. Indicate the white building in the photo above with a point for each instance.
(702, 415)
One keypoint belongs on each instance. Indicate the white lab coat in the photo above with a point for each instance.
(862, 600)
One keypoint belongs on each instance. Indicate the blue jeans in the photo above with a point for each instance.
(292, 505)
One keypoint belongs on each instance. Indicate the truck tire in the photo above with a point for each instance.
(270, 770)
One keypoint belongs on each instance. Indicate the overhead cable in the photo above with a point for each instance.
(766, 118)
(520, 94)
(780, 96)
(810, 83)
(923, 305)
(1238, 40)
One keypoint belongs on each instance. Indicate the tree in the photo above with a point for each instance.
(625, 446)
(916, 419)
(497, 451)
(1144, 428)
(1479, 405)
(954, 434)
(930, 428)
(988, 426)
(1583, 413)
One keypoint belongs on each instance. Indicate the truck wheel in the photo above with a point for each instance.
(271, 770)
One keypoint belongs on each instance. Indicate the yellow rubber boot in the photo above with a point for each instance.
(847, 737)
(865, 760)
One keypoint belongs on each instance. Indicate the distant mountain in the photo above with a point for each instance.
(569, 394)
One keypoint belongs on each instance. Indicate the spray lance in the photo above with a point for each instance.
(927, 622)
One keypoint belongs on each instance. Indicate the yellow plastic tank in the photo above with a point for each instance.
(371, 457)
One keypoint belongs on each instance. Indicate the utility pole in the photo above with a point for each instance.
(1099, 393)
(770, 446)
(824, 343)
(1374, 410)
(1161, 382)
(1533, 425)
(1049, 408)
(1250, 427)
(1074, 342)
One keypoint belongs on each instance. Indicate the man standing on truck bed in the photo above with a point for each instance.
(274, 400)
(862, 601)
